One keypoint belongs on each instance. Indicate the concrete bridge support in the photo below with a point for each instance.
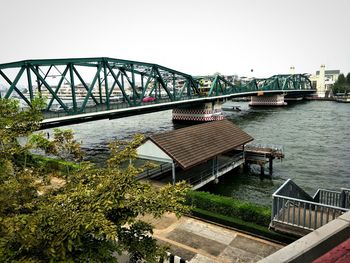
(210, 111)
(268, 100)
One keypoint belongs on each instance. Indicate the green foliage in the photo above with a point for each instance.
(49, 165)
(230, 207)
(341, 79)
(348, 78)
(342, 85)
(63, 144)
(15, 123)
(121, 151)
(86, 216)
(234, 213)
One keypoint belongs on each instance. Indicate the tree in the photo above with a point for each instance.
(341, 79)
(341, 85)
(91, 216)
(15, 123)
(348, 79)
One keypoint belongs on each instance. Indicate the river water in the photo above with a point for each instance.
(315, 136)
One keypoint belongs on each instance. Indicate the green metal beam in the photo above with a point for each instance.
(46, 74)
(182, 90)
(14, 83)
(121, 85)
(30, 85)
(114, 84)
(72, 86)
(49, 88)
(58, 87)
(84, 84)
(213, 86)
(89, 92)
(13, 86)
(162, 83)
(106, 84)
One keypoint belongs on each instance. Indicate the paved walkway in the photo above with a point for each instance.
(200, 242)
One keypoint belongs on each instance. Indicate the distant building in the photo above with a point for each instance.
(323, 80)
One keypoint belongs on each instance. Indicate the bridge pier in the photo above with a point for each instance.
(210, 111)
(267, 100)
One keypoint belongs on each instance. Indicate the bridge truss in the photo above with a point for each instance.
(221, 86)
(79, 85)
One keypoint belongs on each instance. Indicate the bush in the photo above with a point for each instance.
(230, 207)
(49, 164)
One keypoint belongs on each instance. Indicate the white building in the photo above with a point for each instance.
(323, 80)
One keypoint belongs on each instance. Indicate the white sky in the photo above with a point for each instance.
(192, 36)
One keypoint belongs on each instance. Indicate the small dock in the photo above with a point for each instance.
(261, 154)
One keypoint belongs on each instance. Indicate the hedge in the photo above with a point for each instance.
(228, 206)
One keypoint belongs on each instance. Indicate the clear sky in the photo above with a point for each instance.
(193, 36)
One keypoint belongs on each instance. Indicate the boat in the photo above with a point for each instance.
(345, 99)
(232, 108)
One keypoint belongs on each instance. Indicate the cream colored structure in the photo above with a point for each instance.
(323, 80)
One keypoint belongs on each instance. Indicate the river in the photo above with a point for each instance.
(315, 136)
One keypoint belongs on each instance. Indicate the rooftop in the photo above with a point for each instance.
(198, 143)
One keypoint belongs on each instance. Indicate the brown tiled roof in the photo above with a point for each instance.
(198, 143)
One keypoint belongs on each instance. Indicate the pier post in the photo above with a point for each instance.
(216, 180)
(262, 170)
(245, 167)
(173, 173)
(213, 168)
(270, 165)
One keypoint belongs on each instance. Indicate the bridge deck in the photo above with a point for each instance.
(56, 119)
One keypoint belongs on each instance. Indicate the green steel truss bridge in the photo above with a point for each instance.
(82, 89)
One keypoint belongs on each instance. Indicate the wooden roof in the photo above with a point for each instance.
(198, 143)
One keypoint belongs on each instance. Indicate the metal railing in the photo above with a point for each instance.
(293, 206)
(346, 197)
(328, 197)
(154, 172)
(207, 173)
(290, 189)
(275, 147)
(304, 214)
(334, 198)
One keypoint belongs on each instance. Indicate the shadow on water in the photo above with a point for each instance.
(248, 186)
